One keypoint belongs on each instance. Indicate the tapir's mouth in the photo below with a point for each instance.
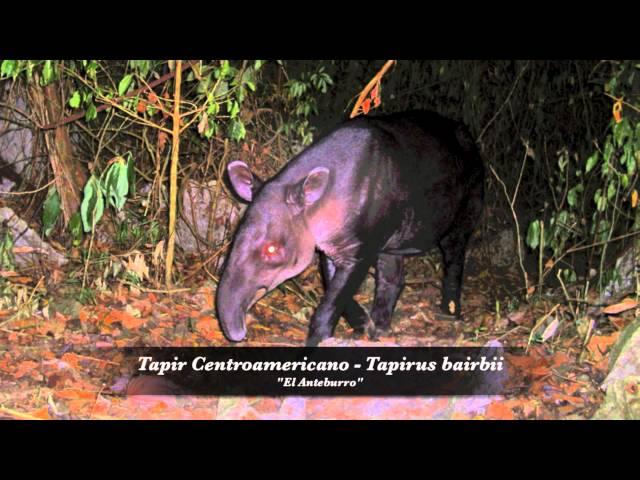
(259, 294)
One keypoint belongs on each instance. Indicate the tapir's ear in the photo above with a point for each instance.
(315, 185)
(244, 182)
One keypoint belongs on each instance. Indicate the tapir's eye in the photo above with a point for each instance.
(272, 251)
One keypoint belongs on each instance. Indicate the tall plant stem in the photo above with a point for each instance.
(173, 175)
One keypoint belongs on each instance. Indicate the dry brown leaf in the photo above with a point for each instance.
(138, 266)
(626, 304)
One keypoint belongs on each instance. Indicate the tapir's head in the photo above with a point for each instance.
(272, 244)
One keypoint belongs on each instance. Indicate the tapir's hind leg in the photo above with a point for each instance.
(389, 284)
(453, 247)
(353, 312)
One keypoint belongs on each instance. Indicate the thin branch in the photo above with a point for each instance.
(513, 88)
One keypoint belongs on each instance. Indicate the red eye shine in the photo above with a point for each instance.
(271, 250)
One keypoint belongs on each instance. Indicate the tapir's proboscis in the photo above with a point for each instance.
(370, 192)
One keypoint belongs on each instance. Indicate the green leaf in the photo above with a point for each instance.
(116, 184)
(211, 131)
(533, 234)
(628, 159)
(91, 112)
(75, 228)
(572, 197)
(7, 68)
(608, 151)
(249, 78)
(50, 211)
(622, 132)
(131, 173)
(235, 109)
(74, 101)
(624, 180)
(221, 89)
(124, 84)
(213, 109)
(7, 258)
(238, 131)
(592, 161)
(92, 206)
(47, 72)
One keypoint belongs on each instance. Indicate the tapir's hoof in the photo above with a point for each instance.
(375, 332)
(314, 340)
(363, 329)
(446, 316)
(359, 331)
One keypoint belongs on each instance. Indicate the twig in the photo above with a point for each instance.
(375, 80)
(31, 191)
(156, 290)
(18, 415)
(537, 325)
(513, 88)
(515, 217)
(79, 115)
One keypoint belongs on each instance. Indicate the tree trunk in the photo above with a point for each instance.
(70, 175)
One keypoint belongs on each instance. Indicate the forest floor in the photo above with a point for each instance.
(44, 373)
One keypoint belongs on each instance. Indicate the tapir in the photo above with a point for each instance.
(373, 190)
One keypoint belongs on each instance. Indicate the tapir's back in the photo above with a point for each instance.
(428, 142)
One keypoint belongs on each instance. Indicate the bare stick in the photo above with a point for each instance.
(173, 176)
(512, 202)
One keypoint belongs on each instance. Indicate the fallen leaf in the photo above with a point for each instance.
(71, 394)
(24, 368)
(626, 304)
(499, 411)
(599, 345)
(550, 330)
(42, 413)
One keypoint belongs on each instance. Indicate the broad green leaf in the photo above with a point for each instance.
(122, 185)
(116, 184)
(92, 206)
(213, 109)
(7, 68)
(74, 101)
(124, 84)
(238, 131)
(624, 180)
(50, 211)
(211, 131)
(131, 173)
(592, 161)
(533, 234)
(235, 109)
(221, 89)
(91, 112)
(608, 150)
(628, 159)
(75, 228)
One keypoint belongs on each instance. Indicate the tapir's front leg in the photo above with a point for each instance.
(357, 316)
(347, 278)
